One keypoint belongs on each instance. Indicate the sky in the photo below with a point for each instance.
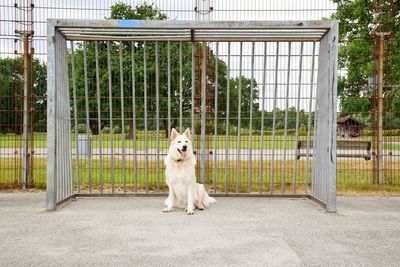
(183, 10)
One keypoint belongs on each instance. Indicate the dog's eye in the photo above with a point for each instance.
(179, 141)
(186, 141)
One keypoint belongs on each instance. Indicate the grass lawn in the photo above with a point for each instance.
(40, 141)
(351, 176)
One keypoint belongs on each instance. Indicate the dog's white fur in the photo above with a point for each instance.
(184, 192)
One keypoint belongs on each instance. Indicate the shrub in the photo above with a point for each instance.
(106, 130)
(82, 129)
(117, 129)
(126, 128)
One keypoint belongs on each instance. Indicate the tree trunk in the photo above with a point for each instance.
(165, 121)
(131, 129)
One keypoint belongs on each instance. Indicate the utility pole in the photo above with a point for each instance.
(24, 28)
(202, 9)
(379, 135)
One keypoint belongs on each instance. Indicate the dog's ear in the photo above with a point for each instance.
(188, 134)
(174, 134)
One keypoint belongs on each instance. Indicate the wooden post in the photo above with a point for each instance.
(27, 74)
(379, 135)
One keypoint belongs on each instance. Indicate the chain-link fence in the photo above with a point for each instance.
(368, 107)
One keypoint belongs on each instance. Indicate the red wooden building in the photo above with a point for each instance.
(349, 127)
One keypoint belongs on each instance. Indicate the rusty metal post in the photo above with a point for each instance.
(32, 98)
(379, 136)
(203, 113)
(380, 109)
(25, 159)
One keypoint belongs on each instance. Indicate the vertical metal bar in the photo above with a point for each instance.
(110, 98)
(169, 88)
(134, 118)
(180, 88)
(146, 153)
(238, 167)
(87, 114)
(61, 129)
(60, 167)
(249, 162)
(61, 148)
(286, 117)
(64, 133)
(31, 174)
(324, 148)
(228, 79)
(157, 117)
(121, 70)
(75, 116)
(380, 109)
(99, 115)
(193, 87)
(68, 139)
(272, 179)
(298, 116)
(216, 116)
(203, 114)
(309, 120)
(260, 179)
(317, 181)
(51, 171)
(66, 123)
(25, 161)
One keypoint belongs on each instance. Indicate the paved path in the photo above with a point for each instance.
(235, 231)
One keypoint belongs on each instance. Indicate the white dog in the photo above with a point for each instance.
(180, 164)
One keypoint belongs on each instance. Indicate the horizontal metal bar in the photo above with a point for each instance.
(66, 199)
(119, 30)
(208, 30)
(174, 24)
(194, 33)
(125, 32)
(126, 38)
(197, 39)
(222, 34)
(201, 31)
(155, 194)
(316, 200)
(257, 34)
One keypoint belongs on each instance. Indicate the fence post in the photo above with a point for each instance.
(27, 75)
(51, 120)
(324, 156)
(379, 136)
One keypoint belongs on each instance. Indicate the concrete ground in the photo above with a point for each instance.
(133, 231)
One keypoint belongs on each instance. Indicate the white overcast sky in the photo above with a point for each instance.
(183, 10)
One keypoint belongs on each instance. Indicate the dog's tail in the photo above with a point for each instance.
(210, 200)
(167, 201)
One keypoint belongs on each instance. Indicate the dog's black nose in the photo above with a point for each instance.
(184, 147)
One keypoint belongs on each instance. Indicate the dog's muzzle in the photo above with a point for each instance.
(183, 151)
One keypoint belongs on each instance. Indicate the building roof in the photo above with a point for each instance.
(351, 120)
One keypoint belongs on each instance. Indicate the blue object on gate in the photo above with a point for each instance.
(124, 23)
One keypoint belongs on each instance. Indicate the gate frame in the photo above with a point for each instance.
(59, 165)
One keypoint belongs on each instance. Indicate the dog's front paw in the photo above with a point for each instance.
(200, 207)
(189, 212)
(167, 210)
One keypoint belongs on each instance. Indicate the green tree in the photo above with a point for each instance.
(147, 11)
(11, 95)
(358, 24)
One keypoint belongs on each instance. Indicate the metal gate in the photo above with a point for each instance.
(250, 92)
